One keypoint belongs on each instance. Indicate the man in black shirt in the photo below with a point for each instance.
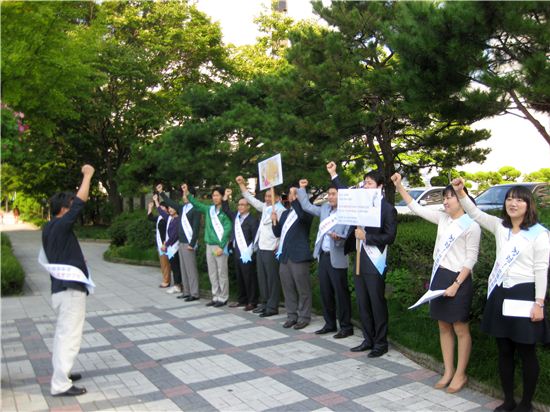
(68, 296)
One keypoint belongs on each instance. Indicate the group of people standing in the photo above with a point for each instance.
(274, 251)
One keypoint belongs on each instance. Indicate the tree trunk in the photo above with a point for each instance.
(540, 128)
(114, 197)
(389, 168)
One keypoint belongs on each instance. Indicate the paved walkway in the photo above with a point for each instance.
(145, 350)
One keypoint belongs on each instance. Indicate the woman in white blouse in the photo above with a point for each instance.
(455, 254)
(518, 280)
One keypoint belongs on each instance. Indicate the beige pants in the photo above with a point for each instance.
(70, 306)
(165, 269)
(218, 274)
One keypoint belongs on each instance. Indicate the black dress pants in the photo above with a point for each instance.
(247, 281)
(370, 288)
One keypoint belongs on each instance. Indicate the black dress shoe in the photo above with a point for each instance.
(324, 331)
(211, 303)
(289, 324)
(362, 347)
(182, 296)
(219, 304)
(249, 307)
(259, 309)
(343, 333)
(377, 352)
(300, 325)
(267, 314)
(191, 298)
(75, 376)
(506, 406)
(72, 391)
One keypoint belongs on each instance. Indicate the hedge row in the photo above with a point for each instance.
(13, 276)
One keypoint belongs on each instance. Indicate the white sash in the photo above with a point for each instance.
(453, 232)
(159, 240)
(509, 254)
(377, 258)
(290, 219)
(246, 250)
(327, 224)
(187, 229)
(171, 250)
(66, 272)
(218, 228)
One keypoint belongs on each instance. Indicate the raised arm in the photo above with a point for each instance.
(256, 204)
(201, 207)
(430, 215)
(84, 190)
(159, 209)
(69, 218)
(331, 169)
(225, 204)
(304, 201)
(302, 215)
(489, 222)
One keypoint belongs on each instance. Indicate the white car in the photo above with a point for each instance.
(431, 197)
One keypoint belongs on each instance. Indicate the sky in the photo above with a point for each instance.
(514, 142)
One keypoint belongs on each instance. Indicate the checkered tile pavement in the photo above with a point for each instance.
(174, 355)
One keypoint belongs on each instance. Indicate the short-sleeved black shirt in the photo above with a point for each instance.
(61, 246)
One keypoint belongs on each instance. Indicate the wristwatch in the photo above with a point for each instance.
(540, 305)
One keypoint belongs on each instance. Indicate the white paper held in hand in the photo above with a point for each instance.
(426, 297)
(517, 308)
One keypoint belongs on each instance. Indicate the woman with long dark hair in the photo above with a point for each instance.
(518, 280)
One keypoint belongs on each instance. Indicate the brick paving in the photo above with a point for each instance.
(144, 350)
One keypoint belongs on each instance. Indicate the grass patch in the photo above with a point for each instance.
(13, 276)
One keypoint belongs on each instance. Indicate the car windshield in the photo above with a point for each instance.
(493, 196)
(413, 193)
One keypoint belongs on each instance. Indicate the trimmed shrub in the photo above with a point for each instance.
(141, 233)
(119, 228)
(13, 276)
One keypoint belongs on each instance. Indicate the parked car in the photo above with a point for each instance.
(431, 197)
(493, 198)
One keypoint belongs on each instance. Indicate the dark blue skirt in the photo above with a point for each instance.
(520, 330)
(457, 308)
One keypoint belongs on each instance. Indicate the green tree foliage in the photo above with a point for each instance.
(509, 173)
(98, 80)
(485, 180)
(355, 103)
(452, 48)
(152, 53)
(338, 98)
(542, 175)
(47, 53)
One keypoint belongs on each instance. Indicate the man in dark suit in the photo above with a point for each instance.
(294, 260)
(370, 285)
(241, 243)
